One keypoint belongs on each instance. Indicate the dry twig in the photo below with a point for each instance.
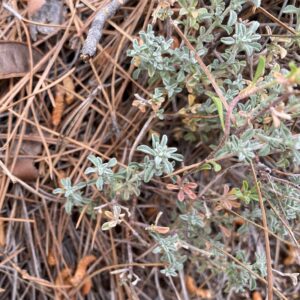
(96, 30)
(267, 241)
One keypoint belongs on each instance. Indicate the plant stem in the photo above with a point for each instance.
(203, 66)
(267, 241)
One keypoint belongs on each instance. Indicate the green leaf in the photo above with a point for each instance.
(80, 185)
(248, 48)
(66, 182)
(95, 160)
(265, 150)
(252, 284)
(68, 207)
(151, 70)
(77, 197)
(168, 167)
(164, 141)
(205, 166)
(217, 167)
(112, 162)
(260, 70)
(248, 135)
(107, 225)
(157, 161)
(136, 73)
(58, 191)
(232, 18)
(180, 76)
(146, 149)
(228, 40)
(219, 106)
(99, 183)
(90, 170)
(245, 185)
(176, 156)
(149, 172)
(290, 9)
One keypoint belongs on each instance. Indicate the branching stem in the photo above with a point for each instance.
(203, 66)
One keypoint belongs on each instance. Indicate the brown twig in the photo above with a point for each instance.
(96, 30)
(267, 241)
(276, 20)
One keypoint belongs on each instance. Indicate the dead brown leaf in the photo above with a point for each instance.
(81, 269)
(15, 59)
(257, 296)
(34, 5)
(62, 278)
(225, 231)
(151, 211)
(194, 290)
(25, 170)
(60, 175)
(238, 221)
(176, 42)
(59, 107)
(87, 286)
(292, 257)
(51, 259)
(69, 84)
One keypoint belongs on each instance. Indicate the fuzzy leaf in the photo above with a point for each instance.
(205, 166)
(228, 40)
(146, 149)
(112, 162)
(58, 191)
(232, 18)
(90, 170)
(218, 104)
(108, 225)
(148, 174)
(260, 70)
(291, 9)
(217, 167)
(177, 157)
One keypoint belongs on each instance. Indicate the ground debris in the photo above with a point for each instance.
(50, 12)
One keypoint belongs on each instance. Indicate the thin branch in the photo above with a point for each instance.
(202, 65)
(279, 294)
(21, 18)
(267, 241)
(276, 20)
(174, 288)
(242, 95)
(157, 284)
(140, 136)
